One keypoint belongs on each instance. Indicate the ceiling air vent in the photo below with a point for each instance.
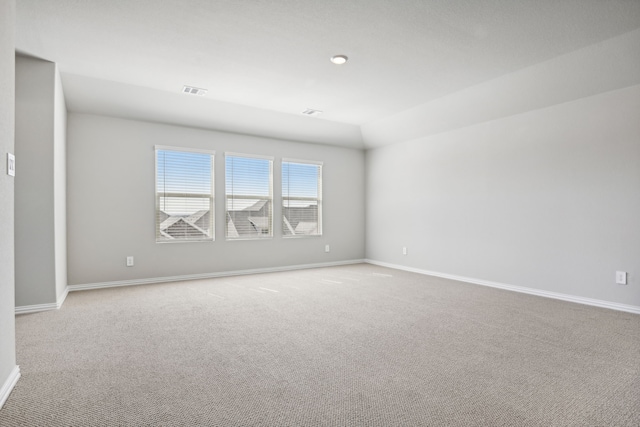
(194, 90)
(311, 112)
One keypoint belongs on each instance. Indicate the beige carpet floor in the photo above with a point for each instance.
(356, 345)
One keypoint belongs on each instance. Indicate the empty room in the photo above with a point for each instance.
(335, 213)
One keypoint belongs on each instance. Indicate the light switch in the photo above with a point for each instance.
(11, 164)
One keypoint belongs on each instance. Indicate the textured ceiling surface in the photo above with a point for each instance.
(262, 57)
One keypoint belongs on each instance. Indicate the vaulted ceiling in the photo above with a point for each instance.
(416, 67)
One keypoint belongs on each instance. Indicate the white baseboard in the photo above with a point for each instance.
(8, 385)
(24, 309)
(522, 289)
(62, 297)
(134, 282)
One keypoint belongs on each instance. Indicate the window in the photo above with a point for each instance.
(248, 184)
(301, 198)
(184, 195)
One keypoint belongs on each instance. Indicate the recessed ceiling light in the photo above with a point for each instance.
(194, 90)
(311, 112)
(339, 59)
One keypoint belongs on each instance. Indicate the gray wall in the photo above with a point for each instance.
(7, 107)
(110, 194)
(39, 202)
(548, 199)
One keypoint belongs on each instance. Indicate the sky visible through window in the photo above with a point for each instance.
(299, 180)
(248, 176)
(185, 173)
(190, 173)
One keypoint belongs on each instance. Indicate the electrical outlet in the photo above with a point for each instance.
(621, 277)
(129, 261)
(404, 250)
(327, 248)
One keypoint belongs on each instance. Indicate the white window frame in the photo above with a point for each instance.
(318, 200)
(157, 196)
(270, 199)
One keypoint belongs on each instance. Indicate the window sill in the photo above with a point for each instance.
(171, 242)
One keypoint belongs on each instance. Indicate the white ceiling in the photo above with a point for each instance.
(264, 61)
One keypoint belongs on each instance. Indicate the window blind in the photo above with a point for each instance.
(301, 198)
(249, 196)
(184, 195)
